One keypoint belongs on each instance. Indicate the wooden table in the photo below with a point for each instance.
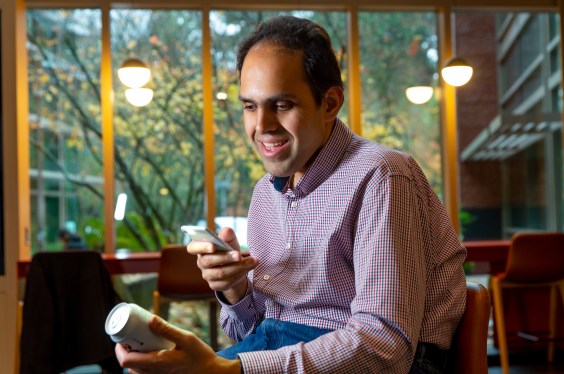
(491, 252)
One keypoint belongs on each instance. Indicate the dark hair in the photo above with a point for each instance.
(298, 34)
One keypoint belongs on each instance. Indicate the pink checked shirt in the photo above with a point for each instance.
(362, 246)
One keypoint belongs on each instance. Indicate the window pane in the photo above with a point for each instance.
(237, 165)
(159, 147)
(397, 51)
(65, 131)
(510, 124)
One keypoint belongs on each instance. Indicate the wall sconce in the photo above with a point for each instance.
(134, 74)
(457, 72)
(419, 94)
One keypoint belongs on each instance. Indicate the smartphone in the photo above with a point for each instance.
(204, 234)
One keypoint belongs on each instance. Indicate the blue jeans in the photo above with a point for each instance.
(273, 334)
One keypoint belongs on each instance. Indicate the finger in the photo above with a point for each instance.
(233, 269)
(199, 247)
(225, 277)
(132, 359)
(229, 236)
(120, 353)
(170, 332)
(206, 261)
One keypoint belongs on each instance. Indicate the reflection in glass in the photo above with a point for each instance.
(457, 72)
(134, 73)
(139, 96)
(419, 94)
(509, 124)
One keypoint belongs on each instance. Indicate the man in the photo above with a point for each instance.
(70, 240)
(354, 264)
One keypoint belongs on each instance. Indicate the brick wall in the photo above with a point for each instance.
(480, 181)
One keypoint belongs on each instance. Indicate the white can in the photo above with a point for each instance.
(128, 325)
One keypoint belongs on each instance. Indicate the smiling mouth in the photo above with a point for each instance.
(271, 146)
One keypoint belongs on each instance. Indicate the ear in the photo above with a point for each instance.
(333, 101)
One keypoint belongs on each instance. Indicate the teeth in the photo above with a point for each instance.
(270, 145)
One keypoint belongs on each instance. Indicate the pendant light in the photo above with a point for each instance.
(419, 94)
(457, 72)
(134, 74)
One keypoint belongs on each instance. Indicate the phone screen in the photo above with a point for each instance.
(202, 233)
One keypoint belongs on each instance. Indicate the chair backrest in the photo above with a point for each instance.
(67, 298)
(179, 276)
(468, 352)
(535, 258)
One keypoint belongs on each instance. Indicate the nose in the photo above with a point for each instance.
(266, 121)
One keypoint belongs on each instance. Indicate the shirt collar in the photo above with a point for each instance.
(326, 161)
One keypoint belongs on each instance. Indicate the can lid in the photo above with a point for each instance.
(117, 319)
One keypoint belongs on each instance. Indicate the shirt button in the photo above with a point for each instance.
(266, 277)
(289, 246)
(294, 204)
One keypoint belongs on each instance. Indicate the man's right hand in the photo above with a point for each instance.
(224, 271)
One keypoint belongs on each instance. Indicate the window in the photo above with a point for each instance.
(399, 50)
(508, 117)
(65, 132)
(510, 142)
(158, 148)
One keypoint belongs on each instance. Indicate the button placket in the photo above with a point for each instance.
(292, 211)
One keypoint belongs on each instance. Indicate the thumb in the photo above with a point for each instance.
(166, 330)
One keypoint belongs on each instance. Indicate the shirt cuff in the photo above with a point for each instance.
(261, 362)
(242, 307)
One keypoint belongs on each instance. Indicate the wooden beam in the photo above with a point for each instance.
(106, 90)
(306, 4)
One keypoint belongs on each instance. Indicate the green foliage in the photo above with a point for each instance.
(398, 50)
(93, 232)
(464, 218)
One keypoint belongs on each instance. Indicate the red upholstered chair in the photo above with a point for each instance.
(180, 279)
(468, 352)
(534, 260)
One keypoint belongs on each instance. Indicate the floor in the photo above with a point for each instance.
(528, 364)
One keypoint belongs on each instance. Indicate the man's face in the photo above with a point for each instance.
(281, 117)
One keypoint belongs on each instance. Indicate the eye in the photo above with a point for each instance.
(249, 107)
(283, 105)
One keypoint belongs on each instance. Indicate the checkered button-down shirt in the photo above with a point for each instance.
(361, 246)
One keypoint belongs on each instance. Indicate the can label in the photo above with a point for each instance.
(128, 325)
